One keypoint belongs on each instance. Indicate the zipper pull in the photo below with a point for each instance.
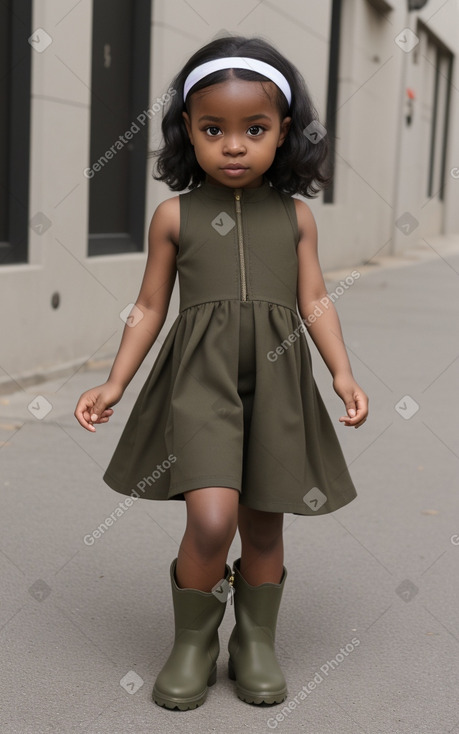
(231, 588)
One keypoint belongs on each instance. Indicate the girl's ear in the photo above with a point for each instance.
(285, 126)
(186, 117)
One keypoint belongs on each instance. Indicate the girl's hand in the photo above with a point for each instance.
(94, 405)
(354, 399)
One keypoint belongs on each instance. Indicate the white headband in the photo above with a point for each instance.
(237, 62)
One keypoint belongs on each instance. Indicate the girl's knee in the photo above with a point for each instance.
(212, 534)
(212, 524)
(262, 530)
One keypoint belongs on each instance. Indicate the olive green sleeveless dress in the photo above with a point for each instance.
(231, 400)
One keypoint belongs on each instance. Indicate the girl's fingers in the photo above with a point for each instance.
(102, 418)
(92, 409)
(351, 409)
(105, 415)
(348, 420)
(83, 418)
(356, 417)
(357, 409)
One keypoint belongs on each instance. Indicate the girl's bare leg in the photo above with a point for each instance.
(212, 517)
(262, 553)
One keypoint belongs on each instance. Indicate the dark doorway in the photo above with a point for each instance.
(15, 75)
(118, 150)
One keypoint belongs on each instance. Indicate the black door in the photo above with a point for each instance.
(118, 150)
(15, 76)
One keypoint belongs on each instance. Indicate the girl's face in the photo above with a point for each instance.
(235, 128)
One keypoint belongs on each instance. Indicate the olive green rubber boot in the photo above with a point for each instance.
(252, 662)
(191, 667)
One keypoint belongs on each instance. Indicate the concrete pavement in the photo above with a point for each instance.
(368, 630)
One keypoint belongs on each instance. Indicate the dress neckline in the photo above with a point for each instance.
(226, 193)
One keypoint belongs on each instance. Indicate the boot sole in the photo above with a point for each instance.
(255, 696)
(184, 704)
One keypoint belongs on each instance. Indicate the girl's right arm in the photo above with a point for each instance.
(94, 406)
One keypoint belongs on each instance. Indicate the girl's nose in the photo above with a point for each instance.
(234, 145)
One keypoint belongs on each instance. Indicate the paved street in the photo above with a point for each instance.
(85, 628)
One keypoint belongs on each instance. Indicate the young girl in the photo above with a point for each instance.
(230, 419)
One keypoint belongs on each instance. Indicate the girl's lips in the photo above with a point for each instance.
(235, 171)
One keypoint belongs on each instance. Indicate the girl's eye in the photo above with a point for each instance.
(256, 128)
(211, 130)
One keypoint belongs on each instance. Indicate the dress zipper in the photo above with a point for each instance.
(231, 587)
(237, 196)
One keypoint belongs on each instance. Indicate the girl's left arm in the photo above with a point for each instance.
(320, 317)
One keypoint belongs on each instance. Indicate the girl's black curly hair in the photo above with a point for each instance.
(298, 161)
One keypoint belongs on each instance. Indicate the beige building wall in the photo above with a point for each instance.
(381, 165)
